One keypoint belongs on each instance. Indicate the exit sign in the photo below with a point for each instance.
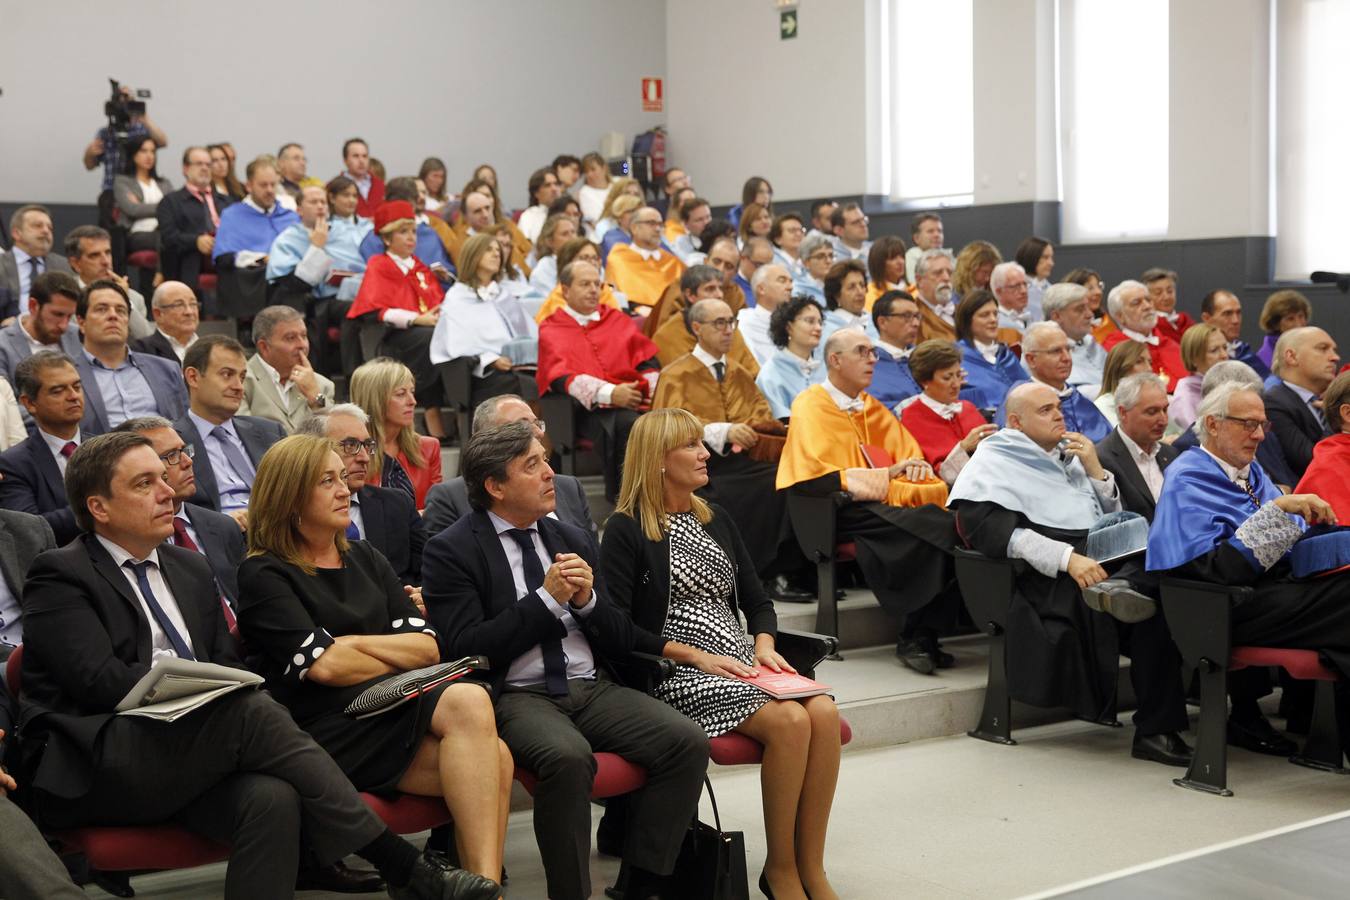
(787, 24)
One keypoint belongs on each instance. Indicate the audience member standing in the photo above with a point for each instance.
(356, 159)
(188, 219)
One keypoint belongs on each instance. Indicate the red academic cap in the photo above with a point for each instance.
(392, 212)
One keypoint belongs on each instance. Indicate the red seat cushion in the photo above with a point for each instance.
(846, 552)
(407, 813)
(129, 848)
(143, 259)
(1304, 665)
(614, 775)
(206, 283)
(732, 749)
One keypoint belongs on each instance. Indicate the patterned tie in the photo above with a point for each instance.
(555, 664)
(181, 538)
(180, 647)
(238, 461)
(396, 477)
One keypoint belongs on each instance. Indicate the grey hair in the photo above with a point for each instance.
(164, 288)
(926, 258)
(317, 424)
(269, 317)
(485, 413)
(486, 455)
(1230, 371)
(1216, 403)
(1059, 297)
(811, 243)
(761, 274)
(1031, 342)
(1131, 389)
(1115, 301)
(1000, 275)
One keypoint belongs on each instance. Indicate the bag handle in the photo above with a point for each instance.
(717, 818)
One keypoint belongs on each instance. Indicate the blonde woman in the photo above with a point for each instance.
(329, 619)
(974, 267)
(622, 209)
(619, 187)
(681, 570)
(557, 230)
(385, 389)
(1202, 346)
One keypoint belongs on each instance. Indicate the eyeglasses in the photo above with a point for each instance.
(861, 220)
(646, 222)
(352, 446)
(864, 352)
(903, 317)
(179, 306)
(1250, 425)
(175, 456)
(723, 324)
(827, 255)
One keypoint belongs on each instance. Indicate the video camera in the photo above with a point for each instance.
(120, 108)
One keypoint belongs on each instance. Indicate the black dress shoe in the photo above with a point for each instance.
(943, 659)
(915, 655)
(338, 879)
(1259, 736)
(780, 589)
(434, 879)
(1167, 748)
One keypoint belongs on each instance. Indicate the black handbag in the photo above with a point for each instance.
(711, 865)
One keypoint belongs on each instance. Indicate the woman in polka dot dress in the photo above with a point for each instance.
(323, 619)
(679, 566)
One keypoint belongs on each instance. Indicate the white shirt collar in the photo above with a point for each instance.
(1304, 394)
(56, 443)
(21, 256)
(1060, 392)
(807, 366)
(649, 255)
(120, 555)
(842, 400)
(501, 526)
(581, 320)
(897, 352)
(489, 292)
(274, 375)
(405, 263)
(1234, 474)
(1141, 338)
(249, 201)
(988, 351)
(1137, 452)
(707, 358)
(948, 411)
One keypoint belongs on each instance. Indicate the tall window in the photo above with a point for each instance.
(930, 100)
(1312, 181)
(1113, 100)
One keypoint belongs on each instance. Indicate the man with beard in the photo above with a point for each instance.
(46, 325)
(1132, 310)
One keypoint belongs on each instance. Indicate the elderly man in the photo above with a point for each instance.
(1162, 293)
(1270, 453)
(176, 313)
(1008, 281)
(279, 382)
(1305, 362)
(47, 325)
(293, 166)
(925, 233)
(596, 355)
(933, 283)
(30, 255)
(1223, 310)
(1131, 309)
(842, 439)
(696, 214)
(188, 219)
(249, 228)
(848, 224)
(1065, 651)
(896, 315)
(1134, 451)
(1046, 357)
(356, 158)
(1066, 305)
(771, 286)
(641, 270)
(88, 249)
(316, 251)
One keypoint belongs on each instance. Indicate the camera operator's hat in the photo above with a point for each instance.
(391, 214)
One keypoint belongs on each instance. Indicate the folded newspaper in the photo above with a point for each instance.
(396, 690)
(175, 687)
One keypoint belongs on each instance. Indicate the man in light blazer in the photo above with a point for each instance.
(449, 501)
(279, 382)
(22, 537)
(1134, 451)
(30, 255)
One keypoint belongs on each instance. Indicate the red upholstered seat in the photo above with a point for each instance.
(407, 813)
(206, 283)
(1304, 665)
(733, 749)
(13, 670)
(846, 552)
(614, 775)
(143, 259)
(142, 847)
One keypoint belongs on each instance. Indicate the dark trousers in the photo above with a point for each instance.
(554, 737)
(239, 771)
(609, 429)
(1155, 667)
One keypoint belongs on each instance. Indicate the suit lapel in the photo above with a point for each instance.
(9, 563)
(249, 437)
(263, 382)
(207, 488)
(372, 516)
(499, 570)
(191, 596)
(1126, 464)
(46, 464)
(104, 565)
(95, 413)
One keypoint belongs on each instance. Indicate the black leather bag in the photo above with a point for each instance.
(711, 865)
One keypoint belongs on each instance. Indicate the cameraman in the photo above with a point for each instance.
(105, 148)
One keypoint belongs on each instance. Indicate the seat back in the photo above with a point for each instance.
(457, 390)
(241, 293)
(986, 587)
(1199, 615)
(559, 412)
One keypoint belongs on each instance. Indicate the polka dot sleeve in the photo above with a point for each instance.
(305, 655)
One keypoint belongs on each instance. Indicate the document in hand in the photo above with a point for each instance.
(175, 687)
(784, 685)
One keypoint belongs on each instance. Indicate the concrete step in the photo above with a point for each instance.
(862, 622)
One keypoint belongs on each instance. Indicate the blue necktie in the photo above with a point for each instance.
(353, 533)
(555, 664)
(179, 645)
(243, 469)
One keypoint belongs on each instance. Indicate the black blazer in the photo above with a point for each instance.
(637, 574)
(257, 435)
(222, 543)
(156, 344)
(1134, 493)
(182, 219)
(449, 500)
(87, 642)
(471, 599)
(1296, 425)
(394, 528)
(32, 483)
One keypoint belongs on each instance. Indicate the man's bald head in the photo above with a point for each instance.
(1033, 409)
(1026, 396)
(844, 339)
(1306, 357)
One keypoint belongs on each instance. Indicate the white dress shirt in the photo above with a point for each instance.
(55, 444)
(842, 400)
(160, 646)
(1147, 464)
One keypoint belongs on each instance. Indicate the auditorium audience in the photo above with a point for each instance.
(279, 382)
(609, 216)
(820, 213)
(594, 190)
(313, 252)
(32, 472)
(223, 177)
(642, 270)
(925, 233)
(543, 190)
(991, 368)
(1009, 284)
(370, 187)
(1223, 310)
(293, 166)
(1046, 357)
(1125, 359)
(1269, 453)
(29, 256)
(554, 234)
(817, 258)
(674, 229)
(137, 192)
(1036, 256)
(1202, 346)
(756, 221)
(88, 249)
(700, 580)
(795, 328)
(227, 446)
(1326, 474)
(896, 317)
(885, 268)
(343, 199)
(755, 190)
(479, 212)
(48, 323)
(947, 427)
(1305, 362)
(188, 219)
(696, 213)
(673, 338)
(248, 229)
(974, 267)
(771, 287)
(627, 213)
(177, 314)
(674, 181)
(432, 173)
(933, 289)
(510, 583)
(406, 461)
(1066, 304)
(1135, 452)
(1132, 311)
(846, 299)
(108, 148)
(1162, 291)
(849, 226)
(755, 252)
(436, 241)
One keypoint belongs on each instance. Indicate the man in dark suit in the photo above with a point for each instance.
(227, 447)
(1134, 451)
(99, 613)
(448, 501)
(188, 219)
(29, 256)
(510, 583)
(31, 471)
(176, 314)
(385, 517)
(1305, 362)
(49, 323)
(120, 384)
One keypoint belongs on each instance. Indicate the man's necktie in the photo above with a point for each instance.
(720, 370)
(1246, 485)
(238, 461)
(394, 476)
(34, 270)
(69, 449)
(181, 538)
(555, 664)
(180, 647)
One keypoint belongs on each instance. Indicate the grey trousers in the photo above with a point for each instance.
(239, 771)
(29, 870)
(554, 737)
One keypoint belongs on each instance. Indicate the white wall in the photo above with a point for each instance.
(512, 82)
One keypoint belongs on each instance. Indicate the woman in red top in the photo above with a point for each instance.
(400, 291)
(946, 427)
(408, 461)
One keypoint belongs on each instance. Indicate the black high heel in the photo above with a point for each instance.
(764, 885)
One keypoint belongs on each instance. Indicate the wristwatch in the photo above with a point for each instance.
(320, 401)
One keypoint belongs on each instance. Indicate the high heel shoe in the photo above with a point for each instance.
(764, 885)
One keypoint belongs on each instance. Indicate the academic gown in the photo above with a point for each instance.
(556, 301)
(244, 228)
(782, 380)
(611, 348)
(430, 248)
(936, 435)
(892, 381)
(1328, 475)
(1080, 415)
(641, 280)
(342, 247)
(674, 339)
(988, 383)
(839, 319)
(1165, 328)
(1243, 353)
(386, 287)
(1165, 356)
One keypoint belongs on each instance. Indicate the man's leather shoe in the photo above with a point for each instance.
(1167, 748)
(943, 659)
(1118, 600)
(338, 879)
(434, 879)
(915, 655)
(1259, 736)
(780, 588)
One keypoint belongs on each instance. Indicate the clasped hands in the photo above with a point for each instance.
(569, 580)
(911, 470)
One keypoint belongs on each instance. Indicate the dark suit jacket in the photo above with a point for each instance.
(11, 303)
(222, 543)
(165, 380)
(448, 502)
(182, 219)
(156, 344)
(257, 436)
(471, 598)
(32, 484)
(1134, 493)
(22, 538)
(87, 642)
(1296, 425)
(394, 528)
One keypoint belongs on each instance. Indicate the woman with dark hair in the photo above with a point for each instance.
(1284, 310)
(845, 299)
(755, 190)
(1036, 256)
(223, 179)
(343, 198)
(756, 221)
(485, 172)
(433, 175)
(991, 368)
(786, 234)
(594, 189)
(947, 427)
(1102, 326)
(679, 567)
(795, 329)
(137, 192)
(885, 268)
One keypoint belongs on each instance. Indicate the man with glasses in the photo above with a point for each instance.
(280, 384)
(713, 281)
(1008, 281)
(641, 270)
(176, 313)
(896, 315)
(1046, 357)
(188, 219)
(1066, 305)
(848, 223)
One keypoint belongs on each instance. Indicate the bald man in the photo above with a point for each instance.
(1305, 362)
